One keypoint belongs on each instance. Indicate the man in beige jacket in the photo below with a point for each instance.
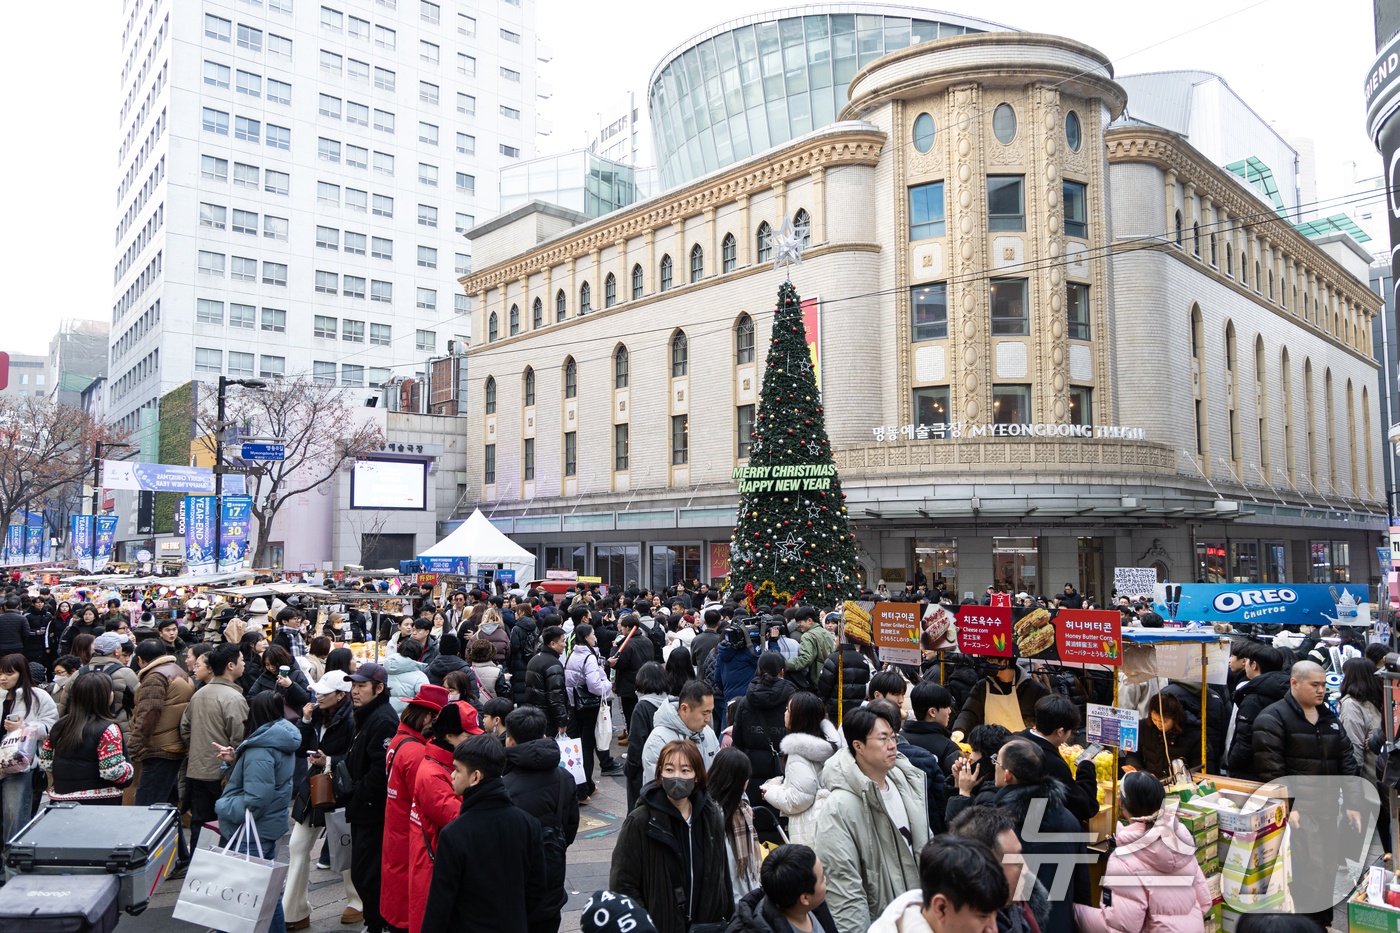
(214, 716)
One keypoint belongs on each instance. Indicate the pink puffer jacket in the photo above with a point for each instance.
(1152, 884)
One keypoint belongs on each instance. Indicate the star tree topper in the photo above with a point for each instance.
(787, 246)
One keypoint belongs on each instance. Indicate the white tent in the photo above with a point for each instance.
(475, 542)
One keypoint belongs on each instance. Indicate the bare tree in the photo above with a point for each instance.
(45, 451)
(320, 432)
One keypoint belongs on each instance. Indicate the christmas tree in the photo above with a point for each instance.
(791, 539)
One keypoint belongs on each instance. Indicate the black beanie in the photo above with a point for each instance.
(610, 912)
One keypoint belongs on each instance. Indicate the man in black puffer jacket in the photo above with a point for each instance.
(14, 627)
(1267, 684)
(544, 790)
(544, 680)
(1299, 734)
(375, 725)
(854, 677)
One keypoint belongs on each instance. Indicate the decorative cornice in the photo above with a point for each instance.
(837, 145)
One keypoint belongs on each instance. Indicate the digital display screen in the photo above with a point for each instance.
(389, 484)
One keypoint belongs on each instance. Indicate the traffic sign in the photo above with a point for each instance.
(264, 451)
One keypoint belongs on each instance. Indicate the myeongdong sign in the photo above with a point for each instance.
(959, 429)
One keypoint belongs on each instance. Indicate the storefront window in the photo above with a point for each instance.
(1091, 568)
(1244, 561)
(1274, 567)
(1331, 561)
(1210, 562)
(566, 557)
(1016, 564)
(936, 562)
(617, 564)
(672, 563)
(1341, 562)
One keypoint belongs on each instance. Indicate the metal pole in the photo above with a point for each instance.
(219, 475)
(96, 476)
(1205, 664)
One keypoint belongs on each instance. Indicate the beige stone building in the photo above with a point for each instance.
(1052, 340)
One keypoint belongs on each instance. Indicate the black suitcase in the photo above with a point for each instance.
(137, 845)
(59, 904)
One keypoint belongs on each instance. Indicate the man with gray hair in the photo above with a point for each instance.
(1299, 734)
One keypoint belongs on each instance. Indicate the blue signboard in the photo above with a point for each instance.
(165, 477)
(200, 548)
(1287, 604)
(233, 532)
(455, 565)
(81, 537)
(252, 451)
(34, 539)
(106, 534)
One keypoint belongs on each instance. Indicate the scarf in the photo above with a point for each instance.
(745, 842)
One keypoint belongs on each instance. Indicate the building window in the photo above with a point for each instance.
(765, 242)
(931, 404)
(427, 216)
(680, 440)
(325, 327)
(381, 248)
(802, 225)
(215, 121)
(352, 374)
(274, 320)
(384, 121)
(1010, 316)
(537, 315)
(428, 93)
(275, 228)
(570, 378)
(209, 312)
(466, 145)
(353, 286)
(240, 364)
(213, 215)
(620, 368)
(1081, 405)
(490, 395)
(327, 283)
(680, 355)
(529, 387)
(744, 421)
(279, 137)
(383, 79)
(636, 281)
(1011, 404)
(272, 367)
(427, 175)
(276, 182)
(216, 74)
(279, 92)
(250, 38)
(926, 211)
(1196, 241)
(924, 132)
(328, 149)
(697, 263)
(461, 304)
(430, 12)
(217, 28)
(384, 163)
(213, 168)
(427, 257)
(466, 65)
(208, 361)
(560, 306)
(1178, 230)
(514, 320)
(666, 273)
(211, 263)
(243, 316)
(425, 341)
(429, 52)
(352, 331)
(380, 335)
(610, 291)
(1077, 310)
(489, 465)
(244, 269)
(466, 183)
(1229, 261)
(327, 193)
(1006, 202)
(1073, 131)
(466, 104)
(529, 459)
(427, 299)
(744, 340)
(462, 265)
(383, 206)
(729, 253)
(245, 222)
(1004, 123)
(620, 448)
(464, 222)
(929, 305)
(585, 298)
(571, 453)
(382, 292)
(1077, 212)
(246, 176)
(510, 74)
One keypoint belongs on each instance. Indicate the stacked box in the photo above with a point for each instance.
(1212, 919)
(1197, 819)
(1254, 851)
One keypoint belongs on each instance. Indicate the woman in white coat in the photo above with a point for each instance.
(798, 793)
(24, 705)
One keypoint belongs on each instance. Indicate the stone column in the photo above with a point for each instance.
(595, 285)
(624, 274)
(1209, 234)
(571, 297)
(547, 294)
(527, 313)
(745, 237)
(818, 205)
(1190, 241)
(680, 262)
(1170, 189)
(711, 259)
(780, 205)
(649, 266)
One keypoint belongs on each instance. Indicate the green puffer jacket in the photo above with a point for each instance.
(867, 862)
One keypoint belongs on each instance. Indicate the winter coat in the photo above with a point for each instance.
(216, 714)
(537, 785)
(677, 871)
(639, 730)
(655, 631)
(701, 645)
(634, 651)
(160, 703)
(296, 696)
(1016, 799)
(376, 723)
(260, 782)
(1217, 719)
(405, 756)
(1251, 699)
(334, 742)
(759, 729)
(405, 677)
(734, 670)
(982, 794)
(1286, 743)
(813, 649)
(544, 688)
(524, 642)
(1081, 786)
(75, 629)
(974, 711)
(1164, 851)
(41, 714)
(935, 791)
(435, 804)
(937, 739)
(667, 726)
(756, 914)
(855, 675)
(867, 862)
(1155, 756)
(798, 792)
(584, 673)
(442, 665)
(905, 914)
(14, 629)
(499, 637)
(1360, 720)
(462, 896)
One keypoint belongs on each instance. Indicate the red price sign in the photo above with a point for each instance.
(985, 630)
(1089, 636)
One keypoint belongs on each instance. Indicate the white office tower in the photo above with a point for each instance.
(293, 179)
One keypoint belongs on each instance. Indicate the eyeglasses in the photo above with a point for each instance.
(993, 760)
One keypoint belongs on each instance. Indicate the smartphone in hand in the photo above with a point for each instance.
(1088, 753)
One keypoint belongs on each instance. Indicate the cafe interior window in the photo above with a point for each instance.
(1274, 566)
(929, 304)
(936, 562)
(1081, 405)
(1011, 404)
(1016, 565)
(931, 405)
(1211, 562)
(1331, 561)
(1244, 562)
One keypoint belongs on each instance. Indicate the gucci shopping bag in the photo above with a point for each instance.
(229, 891)
(338, 839)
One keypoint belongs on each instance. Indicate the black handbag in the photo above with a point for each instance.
(344, 784)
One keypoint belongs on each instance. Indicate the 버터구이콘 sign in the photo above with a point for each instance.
(896, 630)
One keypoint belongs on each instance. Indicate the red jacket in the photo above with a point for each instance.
(434, 806)
(405, 754)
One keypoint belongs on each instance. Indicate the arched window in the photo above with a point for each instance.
(1351, 439)
(1178, 228)
(585, 298)
(1261, 405)
(680, 355)
(666, 273)
(1285, 384)
(620, 368)
(514, 320)
(802, 223)
(1198, 338)
(610, 291)
(570, 378)
(1212, 249)
(1256, 275)
(1229, 261)
(636, 281)
(1244, 269)
(730, 253)
(697, 263)
(537, 318)
(529, 386)
(1309, 422)
(493, 327)
(765, 242)
(1232, 398)
(490, 395)
(743, 340)
(1196, 239)
(1327, 424)
(1271, 285)
(561, 305)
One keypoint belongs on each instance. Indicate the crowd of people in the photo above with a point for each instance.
(898, 792)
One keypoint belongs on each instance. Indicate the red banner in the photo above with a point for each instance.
(985, 630)
(1089, 636)
(1001, 599)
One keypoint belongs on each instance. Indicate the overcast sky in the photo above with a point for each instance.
(1298, 63)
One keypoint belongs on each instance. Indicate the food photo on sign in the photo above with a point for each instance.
(1066, 636)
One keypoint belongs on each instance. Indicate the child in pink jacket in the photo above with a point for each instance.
(1152, 883)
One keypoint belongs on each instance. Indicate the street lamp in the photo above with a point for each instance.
(97, 471)
(219, 468)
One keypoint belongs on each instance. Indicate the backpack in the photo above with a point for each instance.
(528, 647)
(552, 834)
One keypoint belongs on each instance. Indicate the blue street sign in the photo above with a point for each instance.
(264, 452)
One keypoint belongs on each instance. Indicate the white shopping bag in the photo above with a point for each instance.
(603, 731)
(229, 891)
(338, 839)
(571, 757)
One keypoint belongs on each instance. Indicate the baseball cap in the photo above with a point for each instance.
(330, 682)
(431, 696)
(370, 671)
(107, 643)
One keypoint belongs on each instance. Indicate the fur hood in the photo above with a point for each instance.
(807, 746)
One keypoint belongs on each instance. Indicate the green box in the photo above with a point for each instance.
(1197, 820)
(1369, 918)
(1206, 837)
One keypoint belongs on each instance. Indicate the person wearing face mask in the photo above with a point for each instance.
(1005, 697)
(462, 896)
(670, 854)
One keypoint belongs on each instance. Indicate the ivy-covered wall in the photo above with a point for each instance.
(176, 415)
